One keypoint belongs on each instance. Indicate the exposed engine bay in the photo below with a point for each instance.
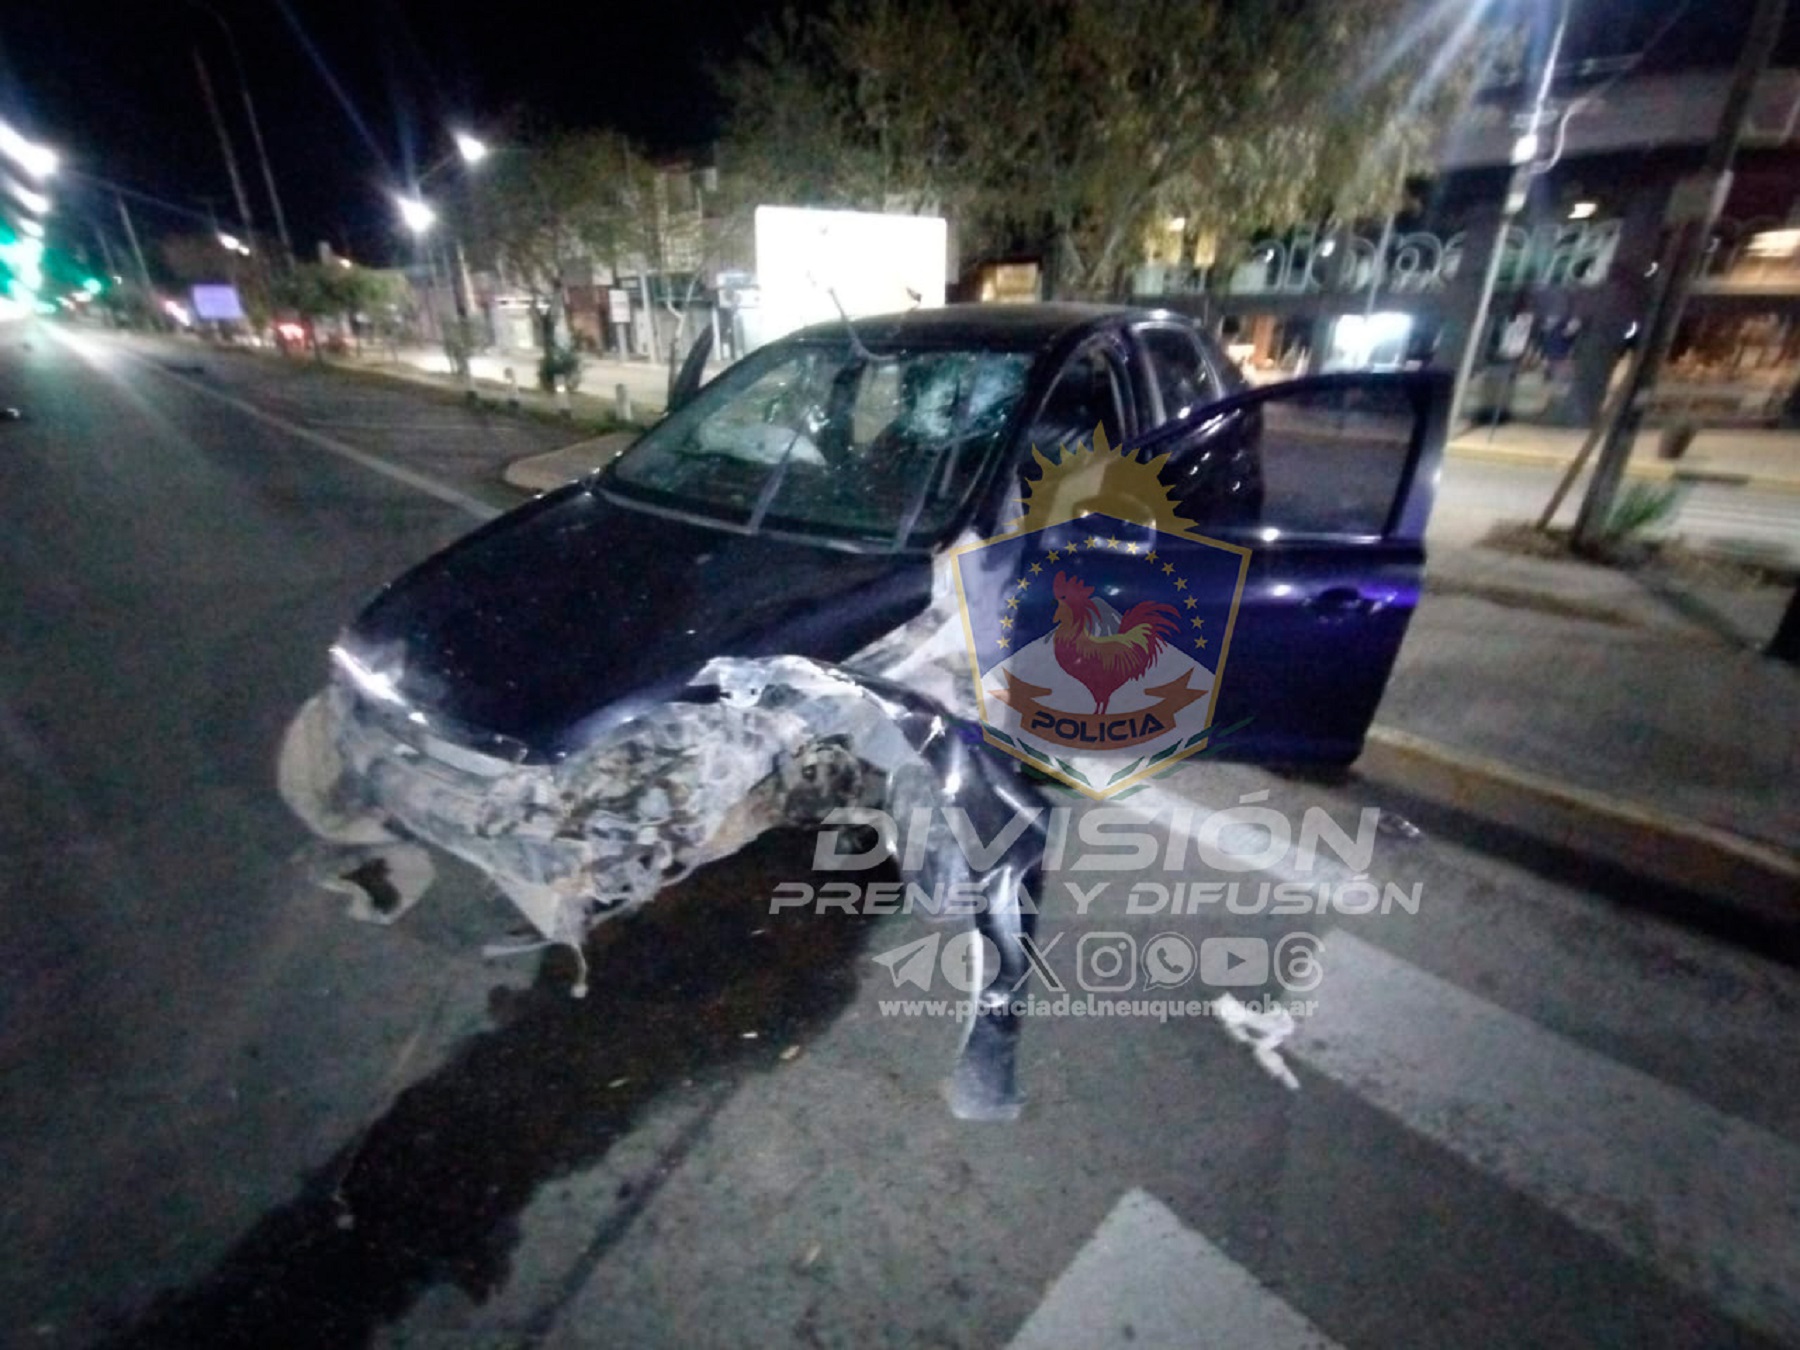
(751, 745)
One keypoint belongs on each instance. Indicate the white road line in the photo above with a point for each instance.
(434, 428)
(1731, 503)
(1146, 1281)
(1709, 1200)
(1741, 515)
(399, 473)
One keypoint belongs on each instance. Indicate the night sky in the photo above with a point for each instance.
(112, 86)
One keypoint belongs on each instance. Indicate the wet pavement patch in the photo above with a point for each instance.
(432, 1191)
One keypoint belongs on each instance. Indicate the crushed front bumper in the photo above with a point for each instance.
(571, 843)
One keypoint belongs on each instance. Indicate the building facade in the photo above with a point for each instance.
(1577, 264)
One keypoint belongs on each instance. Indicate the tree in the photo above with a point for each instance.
(1072, 125)
(316, 291)
(560, 198)
(855, 107)
(538, 207)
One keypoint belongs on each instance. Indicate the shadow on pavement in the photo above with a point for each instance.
(1687, 605)
(437, 1184)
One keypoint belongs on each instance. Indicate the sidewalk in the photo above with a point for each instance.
(1759, 458)
(544, 473)
(646, 383)
(1574, 702)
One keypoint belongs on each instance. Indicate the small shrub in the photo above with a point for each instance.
(459, 346)
(1640, 506)
(559, 364)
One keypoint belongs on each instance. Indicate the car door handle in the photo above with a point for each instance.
(1340, 602)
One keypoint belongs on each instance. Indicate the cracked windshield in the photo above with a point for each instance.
(1025, 675)
(826, 438)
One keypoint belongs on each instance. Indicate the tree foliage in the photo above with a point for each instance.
(320, 290)
(536, 206)
(1072, 125)
(556, 199)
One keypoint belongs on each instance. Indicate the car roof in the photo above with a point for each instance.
(1012, 327)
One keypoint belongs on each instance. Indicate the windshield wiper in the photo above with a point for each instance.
(856, 342)
(959, 417)
(766, 498)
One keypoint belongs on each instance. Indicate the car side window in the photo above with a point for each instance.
(1088, 393)
(1178, 369)
(1329, 460)
(1334, 459)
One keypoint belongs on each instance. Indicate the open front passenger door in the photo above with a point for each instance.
(1329, 483)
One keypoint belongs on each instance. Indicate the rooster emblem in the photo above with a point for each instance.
(1101, 648)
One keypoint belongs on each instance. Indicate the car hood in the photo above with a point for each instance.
(567, 615)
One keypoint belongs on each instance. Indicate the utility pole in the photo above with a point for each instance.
(268, 174)
(231, 166)
(106, 254)
(1525, 150)
(113, 274)
(262, 154)
(256, 136)
(1692, 215)
(142, 267)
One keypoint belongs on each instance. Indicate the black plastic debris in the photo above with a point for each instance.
(1398, 826)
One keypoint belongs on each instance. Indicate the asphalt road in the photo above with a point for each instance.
(1527, 1115)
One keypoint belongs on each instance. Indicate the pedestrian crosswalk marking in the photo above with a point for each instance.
(1711, 1201)
(1146, 1281)
(1722, 515)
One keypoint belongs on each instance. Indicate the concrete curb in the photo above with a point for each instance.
(1747, 875)
(586, 408)
(1655, 472)
(547, 472)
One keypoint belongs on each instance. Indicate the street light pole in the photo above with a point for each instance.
(416, 214)
(231, 166)
(256, 136)
(1524, 152)
(471, 150)
(143, 268)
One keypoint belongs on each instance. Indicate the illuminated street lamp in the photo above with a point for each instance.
(37, 160)
(416, 215)
(472, 148)
(1525, 167)
(231, 243)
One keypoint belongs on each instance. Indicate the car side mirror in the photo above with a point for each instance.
(685, 383)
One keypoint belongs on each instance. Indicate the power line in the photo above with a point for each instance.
(137, 195)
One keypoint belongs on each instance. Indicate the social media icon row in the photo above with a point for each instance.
(1109, 963)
